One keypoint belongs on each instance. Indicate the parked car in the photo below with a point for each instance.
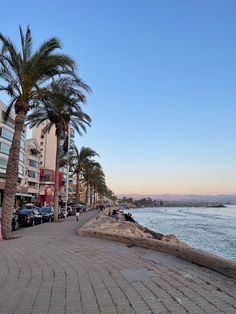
(47, 213)
(62, 213)
(29, 217)
(14, 221)
(82, 208)
(37, 216)
(28, 206)
(69, 211)
(73, 210)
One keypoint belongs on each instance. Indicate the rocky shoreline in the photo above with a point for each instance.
(116, 228)
(120, 226)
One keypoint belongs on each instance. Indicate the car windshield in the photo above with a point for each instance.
(28, 206)
(45, 209)
(25, 211)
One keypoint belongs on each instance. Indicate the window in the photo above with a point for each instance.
(33, 163)
(22, 143)
(7, 134)
(4, 148)
(48, 176)
(3, 163)
(33, 185)
(22, 156)
(41, 143)
(21, 169)
(32, 174)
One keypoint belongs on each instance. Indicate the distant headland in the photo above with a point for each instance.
(172, 200)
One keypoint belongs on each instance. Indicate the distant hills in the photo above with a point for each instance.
(220, 198)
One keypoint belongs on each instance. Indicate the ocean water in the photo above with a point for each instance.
(210, 229)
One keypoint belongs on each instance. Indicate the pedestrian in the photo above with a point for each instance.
(77, 213)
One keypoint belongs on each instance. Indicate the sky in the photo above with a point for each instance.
(163, 75)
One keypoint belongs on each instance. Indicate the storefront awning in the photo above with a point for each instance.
(23, 194)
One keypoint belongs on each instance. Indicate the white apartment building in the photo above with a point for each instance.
(6, 136)
(47, 145)
(32, 168)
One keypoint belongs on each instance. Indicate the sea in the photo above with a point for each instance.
(210, 229)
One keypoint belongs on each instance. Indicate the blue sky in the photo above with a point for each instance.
(163, 74)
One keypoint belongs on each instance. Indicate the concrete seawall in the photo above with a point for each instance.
(196, 256)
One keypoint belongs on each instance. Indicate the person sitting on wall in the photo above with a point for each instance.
(128, 217)
(114, 214)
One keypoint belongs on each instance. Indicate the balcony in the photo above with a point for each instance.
(33, 191)
(31, 179)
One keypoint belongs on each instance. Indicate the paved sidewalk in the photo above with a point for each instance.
(49, 269)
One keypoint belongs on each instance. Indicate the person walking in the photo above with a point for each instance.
(77, 213)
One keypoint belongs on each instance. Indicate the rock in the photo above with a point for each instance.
(170, 238)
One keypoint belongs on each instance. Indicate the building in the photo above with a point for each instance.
(32, 168)
(47, 145)
(72, 191)
(6, 135)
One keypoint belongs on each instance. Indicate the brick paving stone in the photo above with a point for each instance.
(49, 269)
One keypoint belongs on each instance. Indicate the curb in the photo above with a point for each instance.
(211, 261)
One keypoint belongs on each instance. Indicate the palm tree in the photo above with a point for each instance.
(93, 176)
(110, 195)
(78, 163)
(23, 75)
(61, 108)
(101, 191)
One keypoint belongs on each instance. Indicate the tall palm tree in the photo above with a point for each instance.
(23, 75)
(78, 163)
(61, 108)
(98, 183)
(92, 175)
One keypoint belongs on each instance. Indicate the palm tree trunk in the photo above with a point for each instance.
(91, 197)
(87, 196)
(12, 176)
(94, 199)
(77, 200)
(56, 184)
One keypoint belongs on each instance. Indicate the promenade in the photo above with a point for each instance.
(49, 269)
